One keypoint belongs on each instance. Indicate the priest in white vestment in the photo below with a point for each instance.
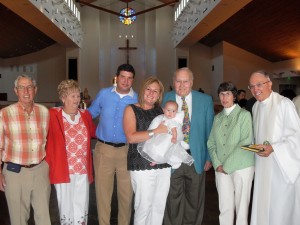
(296, 101)
(276, 197)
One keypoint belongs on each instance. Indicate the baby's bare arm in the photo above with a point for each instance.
(174, 135)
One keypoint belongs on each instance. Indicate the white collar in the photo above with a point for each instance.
(227, 111)
(130, 93)
(187, 98)
(68, 117)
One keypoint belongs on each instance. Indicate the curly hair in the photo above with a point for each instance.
(66, 87)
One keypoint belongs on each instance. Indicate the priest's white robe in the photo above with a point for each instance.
(296, 101)
(276, 197)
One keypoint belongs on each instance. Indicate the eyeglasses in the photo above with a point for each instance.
(225, 94)
(258, 85)
(28, 88)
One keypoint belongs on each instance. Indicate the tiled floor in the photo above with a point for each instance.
(211, 213)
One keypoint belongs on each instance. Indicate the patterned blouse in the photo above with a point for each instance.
(76, 145)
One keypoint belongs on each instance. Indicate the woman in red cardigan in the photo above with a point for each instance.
(69, 154)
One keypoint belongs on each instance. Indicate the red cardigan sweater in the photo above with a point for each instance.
(56, 155)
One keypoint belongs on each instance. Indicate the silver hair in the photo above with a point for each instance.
(264, 73)
(24, 76)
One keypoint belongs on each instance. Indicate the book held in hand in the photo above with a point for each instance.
(253, 148)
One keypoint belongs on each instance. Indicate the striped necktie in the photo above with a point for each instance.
(186, 121)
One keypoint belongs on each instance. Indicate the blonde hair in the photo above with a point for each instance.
(146, 83)
(66, 87)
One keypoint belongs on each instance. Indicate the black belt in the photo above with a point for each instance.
(32, 165)
(188, 152)
(116, 145)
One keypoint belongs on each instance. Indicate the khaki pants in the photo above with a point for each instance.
(30, 186)
(109, 161)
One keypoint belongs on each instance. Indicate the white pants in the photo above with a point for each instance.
(73, 200)
(234, 193)
(151, 188)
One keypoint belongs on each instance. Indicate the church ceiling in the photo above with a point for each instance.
(267, 28)
(19, 37)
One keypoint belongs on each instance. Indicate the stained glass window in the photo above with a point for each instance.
(127, 12)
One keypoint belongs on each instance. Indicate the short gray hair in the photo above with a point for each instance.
(264, 73)
(24, 76)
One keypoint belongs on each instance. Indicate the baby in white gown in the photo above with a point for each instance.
(168, 147)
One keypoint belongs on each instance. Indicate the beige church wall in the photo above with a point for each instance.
(88, 58)
(287, 82)
(51, 71)
(166, 58)
(217, 67)
(200, 63)
(226, 62)
(180, 53)
(74, 53)
(9, 70)
(239, 64)
(144, 58)
(168, 62)
(104, 34)
(47, 66)
(286, 67)
(206, 64)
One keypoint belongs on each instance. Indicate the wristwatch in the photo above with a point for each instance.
(150, 133)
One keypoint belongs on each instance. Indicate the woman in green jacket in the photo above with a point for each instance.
(234, 167)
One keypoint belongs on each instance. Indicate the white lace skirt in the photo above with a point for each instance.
(160, 149)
